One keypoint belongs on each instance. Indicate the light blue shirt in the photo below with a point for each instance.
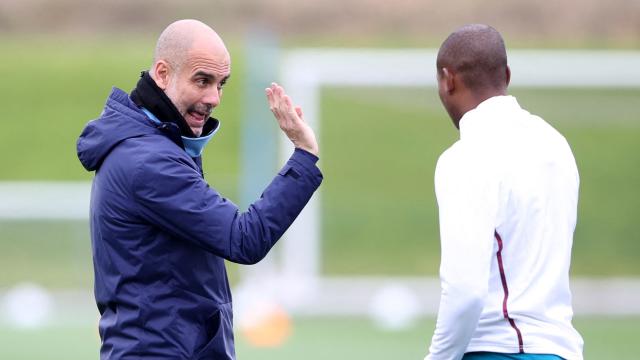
(193, 146)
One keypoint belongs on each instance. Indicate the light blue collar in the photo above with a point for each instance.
(193, 146)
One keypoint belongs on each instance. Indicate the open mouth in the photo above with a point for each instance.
(197, 116)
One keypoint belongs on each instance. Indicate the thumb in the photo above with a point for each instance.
(299, 111)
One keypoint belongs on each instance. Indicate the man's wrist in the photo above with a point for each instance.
(311, 150)
(308, 154)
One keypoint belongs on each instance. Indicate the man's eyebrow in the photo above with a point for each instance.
(204, 74)
(210, 76)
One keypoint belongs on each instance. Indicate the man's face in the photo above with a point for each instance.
(195, 88)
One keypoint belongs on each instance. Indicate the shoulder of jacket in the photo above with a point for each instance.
(148, 148)
(156, 153)
(452, 154)
(467, 159)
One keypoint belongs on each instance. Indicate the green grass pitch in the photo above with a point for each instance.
(378, 152)
(379, 148)
(318, 339)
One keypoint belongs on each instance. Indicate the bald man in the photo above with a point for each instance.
(160, 233)
(507, 194)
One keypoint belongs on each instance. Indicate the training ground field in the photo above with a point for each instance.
(319, 339)
(379, 147)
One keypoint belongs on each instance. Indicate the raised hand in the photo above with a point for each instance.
(290, 119)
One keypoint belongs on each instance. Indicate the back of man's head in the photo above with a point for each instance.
(477, 54)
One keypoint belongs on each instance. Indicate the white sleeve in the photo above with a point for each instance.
(467, 200)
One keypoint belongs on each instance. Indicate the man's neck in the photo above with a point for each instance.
(475, 98)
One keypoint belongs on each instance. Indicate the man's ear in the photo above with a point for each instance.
(508, 74)
(447, 80)
(160, 73)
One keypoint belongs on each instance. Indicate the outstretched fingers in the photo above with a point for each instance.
(282, 106)
(290, 119)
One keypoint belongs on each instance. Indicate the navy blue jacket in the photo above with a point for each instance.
(160, 235)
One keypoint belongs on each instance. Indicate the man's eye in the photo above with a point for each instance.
(202, 82)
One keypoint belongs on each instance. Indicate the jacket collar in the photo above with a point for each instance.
(487, 114)
(192, 145)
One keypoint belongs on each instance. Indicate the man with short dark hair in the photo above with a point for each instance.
(159, 233)
(507, 194)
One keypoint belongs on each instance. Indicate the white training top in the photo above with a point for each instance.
(507, 195)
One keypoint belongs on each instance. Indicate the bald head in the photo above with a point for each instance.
(182, 37)
(191, 65)
(476, 53)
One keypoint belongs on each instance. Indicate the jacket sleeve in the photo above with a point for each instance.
(173, 196)
(467, 202)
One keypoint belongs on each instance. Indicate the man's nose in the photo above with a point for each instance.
(212, 97)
